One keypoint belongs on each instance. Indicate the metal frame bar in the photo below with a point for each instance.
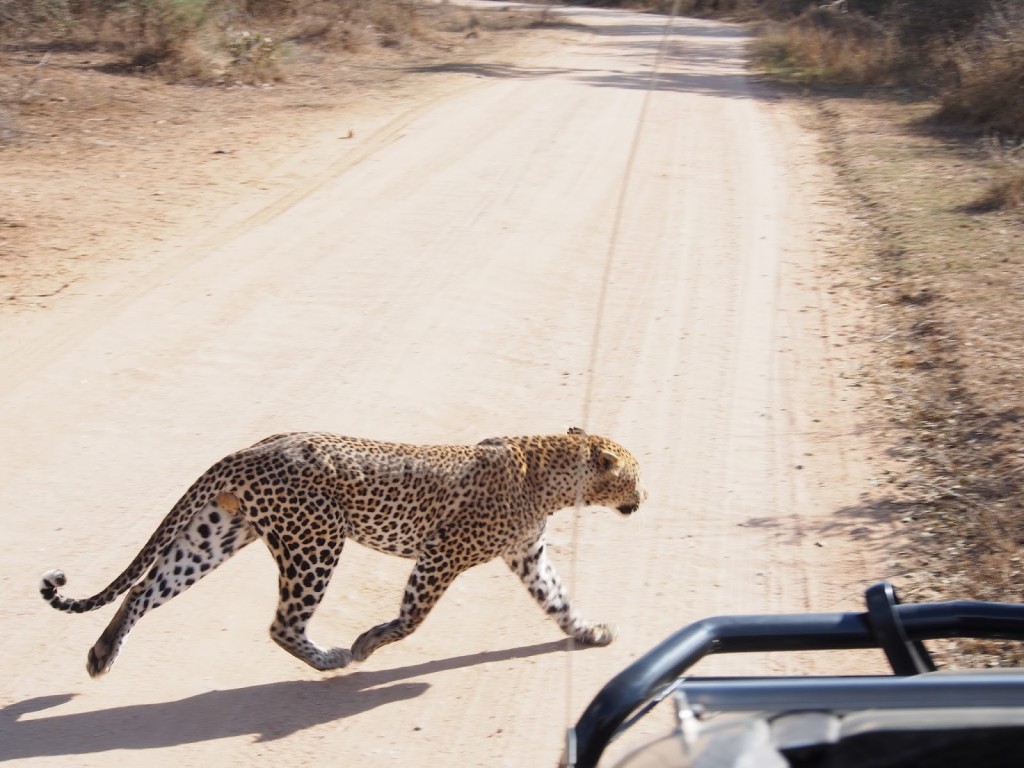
(897, 629)
(845, 694)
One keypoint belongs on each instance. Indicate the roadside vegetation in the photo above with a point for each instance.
(229, 41)
(923, 101)
(216, 43)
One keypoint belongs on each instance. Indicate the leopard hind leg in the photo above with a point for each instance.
(305, 566)
(214, 534)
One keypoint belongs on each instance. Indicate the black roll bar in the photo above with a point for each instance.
(897, 629)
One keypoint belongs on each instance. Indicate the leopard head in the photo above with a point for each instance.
(612, 477)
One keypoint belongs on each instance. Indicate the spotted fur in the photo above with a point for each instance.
(446, 507)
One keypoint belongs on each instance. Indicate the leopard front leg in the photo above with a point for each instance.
(532, 566)
(430, 577)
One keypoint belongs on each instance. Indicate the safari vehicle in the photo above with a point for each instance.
(915, 716)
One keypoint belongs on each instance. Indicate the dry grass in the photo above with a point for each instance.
(986, 85)
(101, 160)
(942, 183)
(1006, 191)
(234, 41)
(45, 48)
(1003, 195)
(972, 52)
(945, 281)
(824, 46)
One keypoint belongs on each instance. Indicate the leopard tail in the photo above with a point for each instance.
(195, 499)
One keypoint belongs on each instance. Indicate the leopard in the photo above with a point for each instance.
(447, 507)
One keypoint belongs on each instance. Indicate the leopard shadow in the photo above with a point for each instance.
(268, 712)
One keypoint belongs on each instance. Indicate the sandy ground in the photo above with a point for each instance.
(519, 249)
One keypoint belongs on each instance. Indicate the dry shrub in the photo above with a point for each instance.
(23, 18)
(987, 87)
(394, 21)
(332, 25)
(148, 35)
(781, 9)
(692, 7)
(348, 25)
(1005, 194)
(1010, 193)
(823, 45)
(921, 23)
(254, 57)
(210, 41)
(184, 61)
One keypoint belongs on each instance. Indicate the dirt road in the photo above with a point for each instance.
(546, 244)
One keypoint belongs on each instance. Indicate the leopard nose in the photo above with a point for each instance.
(628, 509)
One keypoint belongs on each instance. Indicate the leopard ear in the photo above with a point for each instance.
(574, 431)
(607, 461)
